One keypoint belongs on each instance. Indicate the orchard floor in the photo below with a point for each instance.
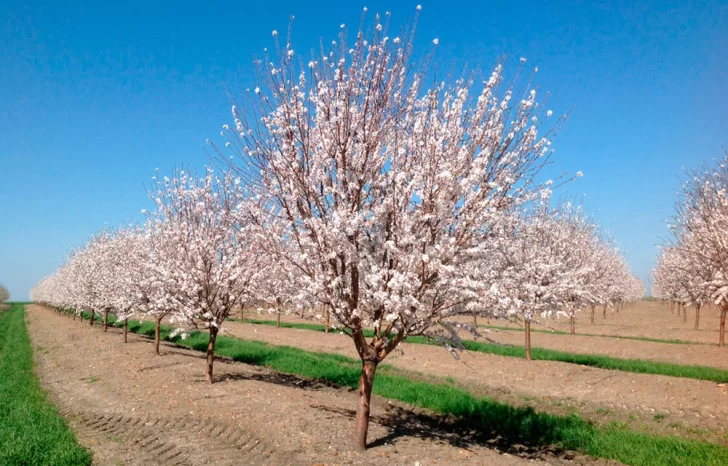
(648, 319)
(134, 408)
(654, 403)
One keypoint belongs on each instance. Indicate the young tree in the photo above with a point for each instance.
(204, 252)
(379, 193)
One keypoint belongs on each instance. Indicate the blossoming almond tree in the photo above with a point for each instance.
(204, 253)
(133, 276)
(380, 192)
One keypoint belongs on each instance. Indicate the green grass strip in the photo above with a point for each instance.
(489, 418)
(31, 430)
(639, 366)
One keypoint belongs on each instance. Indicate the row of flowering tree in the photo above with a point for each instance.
(360, 189)
(693, 269)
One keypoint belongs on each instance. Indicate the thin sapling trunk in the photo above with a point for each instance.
(721, 338)
(697, 316)
(528, 340)
(157, 332)
(211, 354)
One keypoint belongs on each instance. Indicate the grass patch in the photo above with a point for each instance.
(31, 430)
(488, 418)
(639, 366)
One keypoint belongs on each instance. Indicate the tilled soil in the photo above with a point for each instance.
(132, 407)
(650, 319)
(703, 355)
(600, 394)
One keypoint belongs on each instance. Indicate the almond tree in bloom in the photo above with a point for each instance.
(204, 254)
(382, 188)
(132, 276)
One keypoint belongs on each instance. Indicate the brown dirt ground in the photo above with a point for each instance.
(132, 408)
(651, 319)
(683, 406)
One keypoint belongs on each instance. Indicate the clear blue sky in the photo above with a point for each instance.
(95, 95)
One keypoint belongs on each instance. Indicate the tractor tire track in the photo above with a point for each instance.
(182, 441)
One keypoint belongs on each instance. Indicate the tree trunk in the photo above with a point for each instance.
(126, 327)
(475, 321)
(697, 316)
(573, 327)
(157, 331)
(721, 339)
(242, 314)
(592, 313)
(685, 313)
(366, 382)
(528, 340)
(328, 320)
(278, 315)
(91, 321)
(106, 320)
(211, 354)
(604, 311)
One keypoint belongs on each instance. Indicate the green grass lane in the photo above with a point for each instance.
(31, 430)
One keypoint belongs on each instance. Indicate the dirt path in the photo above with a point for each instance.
(598, 393)
(132, 407)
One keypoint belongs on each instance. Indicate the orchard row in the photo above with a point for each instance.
(693, 269)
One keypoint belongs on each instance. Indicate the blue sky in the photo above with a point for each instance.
(95, 95)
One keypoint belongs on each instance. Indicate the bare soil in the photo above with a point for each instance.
(649, 319)
(134, 408)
